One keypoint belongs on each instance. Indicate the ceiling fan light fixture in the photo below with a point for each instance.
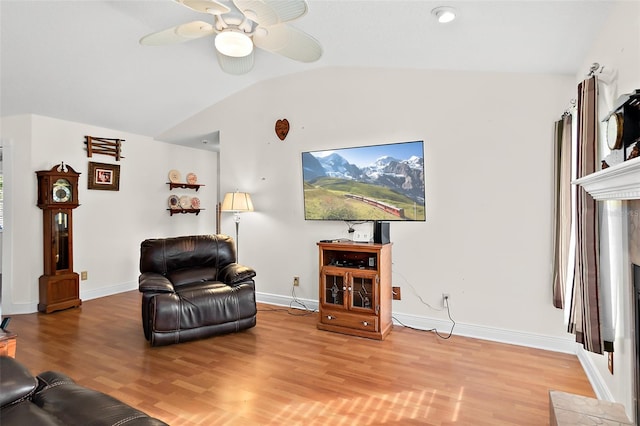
(444, 14)
(234, 43)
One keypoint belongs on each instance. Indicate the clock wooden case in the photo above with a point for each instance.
(623, 122)
(57, 197)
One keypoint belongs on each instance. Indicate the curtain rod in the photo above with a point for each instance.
(595, 67)
(572, 105)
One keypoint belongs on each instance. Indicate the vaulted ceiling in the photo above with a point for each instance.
(81, 60)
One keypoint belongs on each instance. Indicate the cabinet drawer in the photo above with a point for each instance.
(350, 320)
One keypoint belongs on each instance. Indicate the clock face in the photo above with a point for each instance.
(61, 191)
(614, 131)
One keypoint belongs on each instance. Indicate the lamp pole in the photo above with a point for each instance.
(236, 218)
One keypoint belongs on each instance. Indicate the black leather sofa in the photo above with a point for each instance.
(54, 399)
(193, 288)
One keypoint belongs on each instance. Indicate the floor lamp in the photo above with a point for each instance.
(237, 202)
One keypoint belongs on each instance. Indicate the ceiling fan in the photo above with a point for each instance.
(256, 23)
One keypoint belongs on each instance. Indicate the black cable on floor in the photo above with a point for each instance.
(453, 324)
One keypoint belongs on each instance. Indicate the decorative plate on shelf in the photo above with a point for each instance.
(192, 178)
(185, 202)
(195, 202)
(174, 202)
(174, 176)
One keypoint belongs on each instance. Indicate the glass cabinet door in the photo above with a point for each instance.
(334, 289)
(363, 291)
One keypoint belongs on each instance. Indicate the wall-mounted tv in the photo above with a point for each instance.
(365, 183)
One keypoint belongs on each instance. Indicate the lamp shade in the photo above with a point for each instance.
(237, 202)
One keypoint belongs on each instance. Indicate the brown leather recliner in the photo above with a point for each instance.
(193, 288)
(52, 399)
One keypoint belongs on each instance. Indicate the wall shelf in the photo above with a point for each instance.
(184, 211)
(195, 186)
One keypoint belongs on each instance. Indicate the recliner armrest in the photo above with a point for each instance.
(52, 378)
(235, 273)
(154, 282)
(73, 404)
(16, 382)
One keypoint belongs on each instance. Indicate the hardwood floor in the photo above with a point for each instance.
(286, 372)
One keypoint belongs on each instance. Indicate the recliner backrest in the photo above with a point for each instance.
(164, 255)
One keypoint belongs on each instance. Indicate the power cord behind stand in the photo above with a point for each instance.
(295, 300)
(446, 306)
(434, 330)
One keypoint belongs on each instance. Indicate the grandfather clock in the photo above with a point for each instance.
(57, 197)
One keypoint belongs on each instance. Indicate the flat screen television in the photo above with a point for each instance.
(365, 183)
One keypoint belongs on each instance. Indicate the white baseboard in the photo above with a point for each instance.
(279, 300)
(595, 378)
(556, 344)
(107, 291)
(31, 307)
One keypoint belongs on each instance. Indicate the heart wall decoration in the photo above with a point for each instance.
(282, 128)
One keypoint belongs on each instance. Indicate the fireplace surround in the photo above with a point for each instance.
(622, 182)
(636, 298)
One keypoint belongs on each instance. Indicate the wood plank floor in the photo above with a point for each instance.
(286, 372)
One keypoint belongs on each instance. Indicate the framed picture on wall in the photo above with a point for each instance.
(104, 176)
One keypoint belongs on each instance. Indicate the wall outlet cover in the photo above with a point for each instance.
(361, 237)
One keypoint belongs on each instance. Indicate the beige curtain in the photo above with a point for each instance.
(584, 316)
(562, 210)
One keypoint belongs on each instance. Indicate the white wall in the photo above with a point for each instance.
(488, 155)
(108, 225)
(617, 48)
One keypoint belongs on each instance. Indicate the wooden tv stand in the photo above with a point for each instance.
(355, 288)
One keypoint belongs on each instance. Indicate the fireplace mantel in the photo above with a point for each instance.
(619, 182)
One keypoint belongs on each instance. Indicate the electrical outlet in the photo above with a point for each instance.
(362, 237)
(445, 300)
(83, 275)
(396, 293)
(296, 281)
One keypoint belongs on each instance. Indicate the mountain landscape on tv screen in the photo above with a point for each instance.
(386, 189)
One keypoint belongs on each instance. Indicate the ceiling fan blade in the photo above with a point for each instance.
(271, 12)
(288, 41)
(205, 6)
(233, 65)
(178, 34)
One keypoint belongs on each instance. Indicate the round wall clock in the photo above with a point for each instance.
(614, 131)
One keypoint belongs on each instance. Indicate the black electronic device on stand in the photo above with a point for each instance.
(5, 323)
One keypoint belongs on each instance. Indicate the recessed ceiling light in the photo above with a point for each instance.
(444, 14)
